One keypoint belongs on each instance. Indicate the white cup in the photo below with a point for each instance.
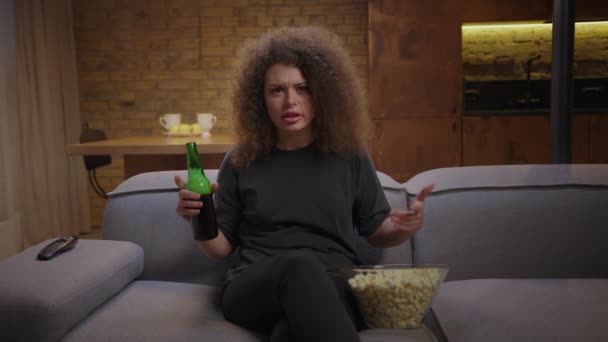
(206, 121)
(170, 120)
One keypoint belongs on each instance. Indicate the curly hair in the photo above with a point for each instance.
(341, 125)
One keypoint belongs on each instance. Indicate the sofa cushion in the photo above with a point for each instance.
(161, 311)
(522, 310)
(516, 221)
(42, 300)
(169, 311)
(508, 176)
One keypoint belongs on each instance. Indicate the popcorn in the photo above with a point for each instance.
(395, 298)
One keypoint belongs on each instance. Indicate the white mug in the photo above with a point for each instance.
(170, 120)
(206, 121)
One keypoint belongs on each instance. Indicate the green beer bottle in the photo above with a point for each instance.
(204, 225)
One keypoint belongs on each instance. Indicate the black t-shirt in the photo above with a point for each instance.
(300, 199)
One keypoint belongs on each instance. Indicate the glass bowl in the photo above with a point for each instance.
(395, 296)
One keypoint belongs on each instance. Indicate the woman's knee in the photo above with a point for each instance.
(301, 263)
(300, 269)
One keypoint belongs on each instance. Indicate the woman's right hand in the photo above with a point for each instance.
(189, 203)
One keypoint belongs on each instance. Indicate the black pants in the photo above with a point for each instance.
(292, 298)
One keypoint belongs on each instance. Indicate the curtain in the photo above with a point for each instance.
(54, 187)
(10, 209)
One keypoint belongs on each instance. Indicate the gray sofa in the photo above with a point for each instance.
(145, 281)
(527, 248)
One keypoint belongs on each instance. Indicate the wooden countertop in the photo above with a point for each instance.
(153, 144)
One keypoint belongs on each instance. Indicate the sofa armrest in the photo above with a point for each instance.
(43, 300)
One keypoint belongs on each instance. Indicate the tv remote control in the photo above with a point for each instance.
(57, 247)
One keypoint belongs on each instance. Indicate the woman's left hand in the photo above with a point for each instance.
(411, 220)
(401, 225)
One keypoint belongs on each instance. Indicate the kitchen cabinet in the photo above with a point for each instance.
(507, 121)
(415, 87)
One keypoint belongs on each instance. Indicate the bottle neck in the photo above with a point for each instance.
(197, 181)
(193, 159)
(192, 156)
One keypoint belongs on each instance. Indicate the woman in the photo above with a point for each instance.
(297, 188)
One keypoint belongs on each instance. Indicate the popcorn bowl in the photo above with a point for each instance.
(395, 296)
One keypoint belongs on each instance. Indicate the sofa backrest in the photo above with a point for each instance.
(142, 210)
(517, 221)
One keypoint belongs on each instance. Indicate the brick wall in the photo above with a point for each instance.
(138, 59)
(501, 53)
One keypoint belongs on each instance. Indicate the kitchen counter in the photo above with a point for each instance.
(158, 152)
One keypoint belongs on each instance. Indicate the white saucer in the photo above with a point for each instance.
(177, 134)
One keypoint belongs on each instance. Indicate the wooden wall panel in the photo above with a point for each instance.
(415, 64)
(136, 164)
(415, 10)
(519, 10)
(590, 9)
(406, 147)
(598, 139)
(580, 139)
(506, 140)
(518, 140)
(415, 84)
(512, 10)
